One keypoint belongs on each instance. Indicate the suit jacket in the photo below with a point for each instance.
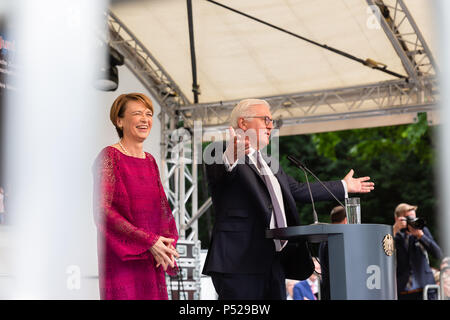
(302, 290)
(412, 258)
(243, 210)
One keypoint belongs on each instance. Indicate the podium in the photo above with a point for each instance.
(361, 258)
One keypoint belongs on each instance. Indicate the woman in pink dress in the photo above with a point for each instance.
(136, 230)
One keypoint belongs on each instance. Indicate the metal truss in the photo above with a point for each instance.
(406, 38)
(384, 98)
(181, 169)
(144, 66)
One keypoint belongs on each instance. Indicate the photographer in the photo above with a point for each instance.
(413, 243)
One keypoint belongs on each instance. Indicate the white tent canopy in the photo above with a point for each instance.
(239, 58)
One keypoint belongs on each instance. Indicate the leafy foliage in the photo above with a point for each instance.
(400, 160)
(396, 141)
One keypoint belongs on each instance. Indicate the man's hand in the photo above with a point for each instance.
(415, 232)
(237, 147)
(399, 224)
(358, 185)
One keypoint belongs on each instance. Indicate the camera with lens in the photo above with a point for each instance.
(415, 222)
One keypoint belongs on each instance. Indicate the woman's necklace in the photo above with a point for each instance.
(128, 154)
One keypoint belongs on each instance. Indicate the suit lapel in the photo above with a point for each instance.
(253, 167)
(287, 199)
(262, 192)
(277, 175)
(283, 185)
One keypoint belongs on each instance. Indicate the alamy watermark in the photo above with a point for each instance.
(73, 281)
(214, 152)
(374, 19)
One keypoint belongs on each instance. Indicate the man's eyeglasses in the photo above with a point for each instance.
(267, 120)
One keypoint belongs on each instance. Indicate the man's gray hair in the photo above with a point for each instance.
(243, 109)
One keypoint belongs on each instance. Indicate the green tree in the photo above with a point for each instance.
(399, 159)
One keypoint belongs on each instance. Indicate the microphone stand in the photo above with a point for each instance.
(316, 219)
(300, 165)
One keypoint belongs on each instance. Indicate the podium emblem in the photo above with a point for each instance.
(388, 245)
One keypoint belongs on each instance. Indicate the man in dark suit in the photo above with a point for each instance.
(251, 194)
(412, 248)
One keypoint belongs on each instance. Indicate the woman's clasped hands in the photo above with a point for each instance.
(164, 252)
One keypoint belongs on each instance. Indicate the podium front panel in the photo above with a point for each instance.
(361, 258)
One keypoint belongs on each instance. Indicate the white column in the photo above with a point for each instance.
(51, 125)
(442, 8)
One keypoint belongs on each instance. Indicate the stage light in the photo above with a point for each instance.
(108, 77)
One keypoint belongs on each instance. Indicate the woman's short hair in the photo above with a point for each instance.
(120, 104)
(243, 109)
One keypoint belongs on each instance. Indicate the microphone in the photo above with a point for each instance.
(300, 165)
(296, 162)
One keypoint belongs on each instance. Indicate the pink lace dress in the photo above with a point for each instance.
(131, 212)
